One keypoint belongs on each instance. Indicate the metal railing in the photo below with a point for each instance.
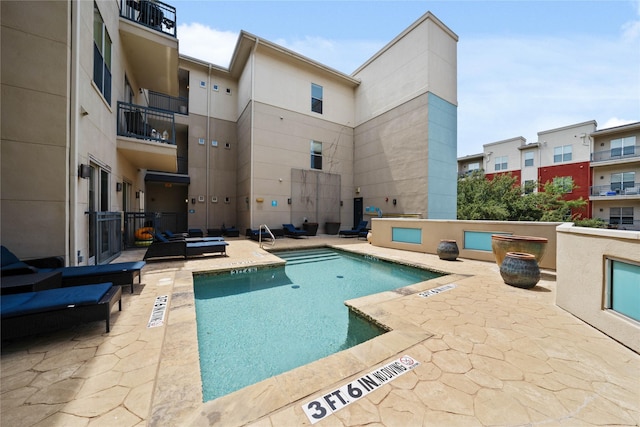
(615, 190)
(155, 14)
(105, 236)
(161, 101)
(266, 228)
(616, 153)
(136, 121)
(159, 221)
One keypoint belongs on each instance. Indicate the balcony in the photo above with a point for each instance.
(147, 137)
(616, 155)
(603, 192)
(173, 104)
(148, 34)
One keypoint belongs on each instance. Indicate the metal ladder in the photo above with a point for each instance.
(273, 239)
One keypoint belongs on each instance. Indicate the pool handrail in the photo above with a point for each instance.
(266, 228)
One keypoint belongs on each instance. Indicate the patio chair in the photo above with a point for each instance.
(230, 231)
(291, 231)
(257, 235)
(118, 273)
(29, 313)
(355, 231)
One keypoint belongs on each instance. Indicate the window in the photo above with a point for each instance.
(101, 55)
(501, 163)
(621, 215)
(528, 158)
(623, 288)
(473, 166)
(623, 146)
(316, 98)
(621, 181)
(562, 154)
(316, 155)
(564, 182)
(529, 186)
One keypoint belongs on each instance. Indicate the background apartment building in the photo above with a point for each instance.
(602, 164)
(107, 128)
(615, 176)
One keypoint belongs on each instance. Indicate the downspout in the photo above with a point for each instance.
(208, 145)
(251, 151)
(71, 248)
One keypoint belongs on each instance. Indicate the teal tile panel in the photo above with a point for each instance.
(479, 240)
(625, 289)
(406, 235)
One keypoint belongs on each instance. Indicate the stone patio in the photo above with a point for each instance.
(488, 353)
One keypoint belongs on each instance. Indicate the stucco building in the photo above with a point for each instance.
(602, 164)
(106, 128)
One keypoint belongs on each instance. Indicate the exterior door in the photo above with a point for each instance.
(357, 211)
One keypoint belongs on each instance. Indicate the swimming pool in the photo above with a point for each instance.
(263, 322)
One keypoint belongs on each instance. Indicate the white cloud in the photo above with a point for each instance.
(521, 86)
(206, 43)
(614, 122)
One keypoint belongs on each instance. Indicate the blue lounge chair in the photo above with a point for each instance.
(118, 273)
(291, 231)
(44, 311)
(355, 231)
(184, 248)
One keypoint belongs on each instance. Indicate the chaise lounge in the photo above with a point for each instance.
(119, 273)
(361, 228)
(184, 248)
(291, 231)
(48, 310)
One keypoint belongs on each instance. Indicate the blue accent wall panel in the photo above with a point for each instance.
(479, 240)
(442, 163)
(625, 289)
(406, 235)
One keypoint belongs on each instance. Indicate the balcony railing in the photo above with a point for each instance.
(160, 101)
(625, 224)
(615, 190)
(616, 153)
(160, 221)
(156, 15)
(136, 121)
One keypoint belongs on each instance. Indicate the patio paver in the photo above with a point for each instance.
(489, 354)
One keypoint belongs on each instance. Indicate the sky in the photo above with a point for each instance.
(523, 66)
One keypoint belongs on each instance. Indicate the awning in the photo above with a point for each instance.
(167, 177)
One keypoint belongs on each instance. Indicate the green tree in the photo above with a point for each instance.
(502, 199)
(480, 198)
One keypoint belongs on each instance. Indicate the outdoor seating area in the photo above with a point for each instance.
(185, 247)
(292, 231)
(48, 310)
(50, 297)
(121, 273)
(358, 231)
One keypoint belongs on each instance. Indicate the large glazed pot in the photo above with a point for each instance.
(448, 250)
(520, 270)
(501, 244)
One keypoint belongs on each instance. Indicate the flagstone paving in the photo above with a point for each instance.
(488, 353)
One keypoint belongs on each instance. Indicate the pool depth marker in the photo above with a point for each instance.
(335, 400)
(157, 313)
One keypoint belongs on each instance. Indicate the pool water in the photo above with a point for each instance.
(264, 322)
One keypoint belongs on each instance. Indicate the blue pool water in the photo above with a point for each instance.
(264, 322)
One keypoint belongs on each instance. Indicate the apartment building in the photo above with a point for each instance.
(560, 155)
(106, 128)
(615, 176)
(602, 164)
